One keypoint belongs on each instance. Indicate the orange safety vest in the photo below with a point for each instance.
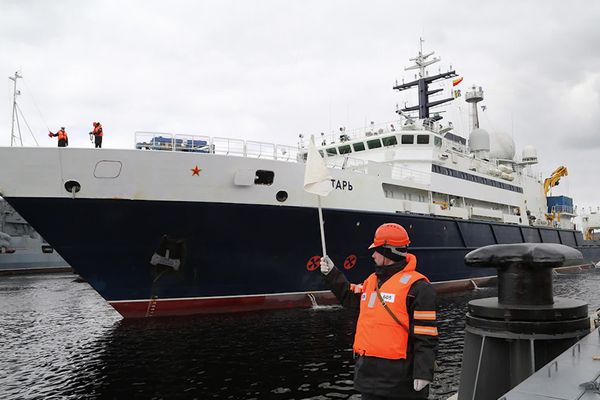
(377, 333)
(62, 135)
(98, 130)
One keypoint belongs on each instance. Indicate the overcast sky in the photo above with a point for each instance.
(269, 70)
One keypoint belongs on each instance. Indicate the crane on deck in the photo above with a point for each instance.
(553, 180)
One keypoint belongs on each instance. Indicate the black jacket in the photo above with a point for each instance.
(393, 378)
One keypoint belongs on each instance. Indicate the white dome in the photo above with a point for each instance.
(502, 146)
(479, 140)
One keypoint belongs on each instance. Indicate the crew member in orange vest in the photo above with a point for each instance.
(396, 333)
(63, 138)
(97, 132)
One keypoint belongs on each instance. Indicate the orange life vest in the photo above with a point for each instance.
(98, 130)
(377, 333)
(62, 135)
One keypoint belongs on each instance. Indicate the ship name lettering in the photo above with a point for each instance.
(341, 184)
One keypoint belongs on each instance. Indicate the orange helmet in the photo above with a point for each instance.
(390, 235)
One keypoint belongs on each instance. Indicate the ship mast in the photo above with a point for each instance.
(15, 116)
(421, 62)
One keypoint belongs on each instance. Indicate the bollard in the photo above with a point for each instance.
(509, 337)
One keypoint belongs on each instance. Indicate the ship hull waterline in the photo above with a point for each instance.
(240, 257)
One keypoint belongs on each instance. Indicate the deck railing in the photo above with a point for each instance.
(164, 141)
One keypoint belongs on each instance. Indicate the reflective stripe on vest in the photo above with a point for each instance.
(377, 334)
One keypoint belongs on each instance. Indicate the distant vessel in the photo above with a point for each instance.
(190, 224)
(22, 249)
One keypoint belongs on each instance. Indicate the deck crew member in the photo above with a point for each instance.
(97, 132)
(63, 138)
(396, 333)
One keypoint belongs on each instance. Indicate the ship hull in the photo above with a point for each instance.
(239, 257)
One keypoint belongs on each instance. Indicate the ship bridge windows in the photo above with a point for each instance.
(374, 143)
(389, 141)
(422, 139)
(407, 139)
(360, 146)
(331, 151)
(345, 149)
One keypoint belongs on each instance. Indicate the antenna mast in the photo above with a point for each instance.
(15, 115)
(421, 61)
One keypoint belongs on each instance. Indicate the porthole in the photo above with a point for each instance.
(72, 186)
(281, 196)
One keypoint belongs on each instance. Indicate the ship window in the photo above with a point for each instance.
(374, 144)
(422, 139)
(321, 153)
(331, 151)
(437, 141)
(360, 146)
(408, 139)
(345, 149)
(264, 177)
(389, 141)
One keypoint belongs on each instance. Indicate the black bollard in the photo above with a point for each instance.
(509, 337)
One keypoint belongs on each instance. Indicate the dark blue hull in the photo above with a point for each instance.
(240, 251)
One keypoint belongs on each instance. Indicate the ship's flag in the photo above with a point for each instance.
(457, 81)
(317, 179)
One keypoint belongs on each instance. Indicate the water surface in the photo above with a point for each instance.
(59, 339)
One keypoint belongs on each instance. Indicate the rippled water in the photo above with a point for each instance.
(59, 339)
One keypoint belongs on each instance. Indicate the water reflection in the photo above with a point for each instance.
(59, 339)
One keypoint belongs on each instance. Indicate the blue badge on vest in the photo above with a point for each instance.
(405, 278)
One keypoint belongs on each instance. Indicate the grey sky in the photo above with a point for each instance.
(269, 70)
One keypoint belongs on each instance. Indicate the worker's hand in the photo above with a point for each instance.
(419, 384)
(326, 265)
(49, 134)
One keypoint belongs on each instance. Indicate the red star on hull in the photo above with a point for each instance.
(196, 171)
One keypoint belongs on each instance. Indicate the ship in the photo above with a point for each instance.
(22, 249)
(189, 224)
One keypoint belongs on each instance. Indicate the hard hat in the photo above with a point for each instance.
(390, 235)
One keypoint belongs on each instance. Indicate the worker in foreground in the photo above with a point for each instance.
(396, 334)
(63, 138)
